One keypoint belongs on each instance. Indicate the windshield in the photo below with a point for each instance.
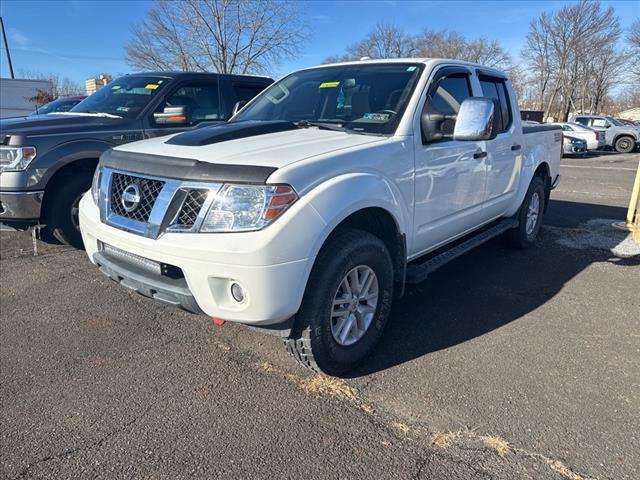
(367, 98)
(59, 105)
(125, 97)
(614, 121)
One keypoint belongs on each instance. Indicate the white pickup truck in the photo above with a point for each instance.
(307, 213)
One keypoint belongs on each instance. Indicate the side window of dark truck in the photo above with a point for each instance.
(496, 89)
(202, 101)
(241, 92)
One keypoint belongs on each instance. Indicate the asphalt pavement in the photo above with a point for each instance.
(503, 364)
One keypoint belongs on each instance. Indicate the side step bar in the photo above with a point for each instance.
(418, 272)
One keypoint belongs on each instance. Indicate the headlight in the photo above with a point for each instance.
(95, 186)
(242, 208)
(16, 158)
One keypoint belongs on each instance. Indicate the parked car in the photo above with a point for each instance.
(595, 138)
(307, 213)
(573, 146)
(47, 161)
(62, 104)
(627, 122)
(622, 138)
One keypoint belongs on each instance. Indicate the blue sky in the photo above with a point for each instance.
(78, 39)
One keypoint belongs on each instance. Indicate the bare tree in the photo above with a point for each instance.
(448, 44)
(226, 36)
(633, 39)
(390, 41)
(574, 56)
(384, 41)
(60, 86)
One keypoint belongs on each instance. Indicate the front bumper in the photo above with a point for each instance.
(270, 265)
(20, 206)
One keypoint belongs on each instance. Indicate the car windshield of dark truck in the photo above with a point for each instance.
(125, 97)
(365, 98)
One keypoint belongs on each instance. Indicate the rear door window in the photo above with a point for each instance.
(496, 89)
(246, 92)
(599, 122)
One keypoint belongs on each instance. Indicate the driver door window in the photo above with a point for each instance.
(446, 100)
(202, 101)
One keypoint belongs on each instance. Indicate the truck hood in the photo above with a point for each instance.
(56, 124)
(272, 150)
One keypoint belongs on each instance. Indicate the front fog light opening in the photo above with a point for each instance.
(238, 292)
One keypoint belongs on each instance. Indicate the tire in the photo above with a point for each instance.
(60, 216)
(316, 338)
(624, 144)
(525, 234)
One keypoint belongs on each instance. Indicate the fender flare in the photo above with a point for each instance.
(66, 153)
(344, 195)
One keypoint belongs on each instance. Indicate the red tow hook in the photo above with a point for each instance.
(218, 321)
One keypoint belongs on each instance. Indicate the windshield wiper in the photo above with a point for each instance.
(322, 125)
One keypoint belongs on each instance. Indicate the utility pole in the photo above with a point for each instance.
(6, 48)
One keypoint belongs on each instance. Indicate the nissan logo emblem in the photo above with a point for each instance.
(130, 199)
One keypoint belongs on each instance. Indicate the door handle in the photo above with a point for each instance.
(515, 148)
(479, 155)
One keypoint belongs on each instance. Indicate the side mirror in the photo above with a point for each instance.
(172, 116)
(476, 120)
(238, 106)
(607, 125)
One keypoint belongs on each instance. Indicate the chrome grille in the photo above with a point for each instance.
(149, 191)
(191, 207)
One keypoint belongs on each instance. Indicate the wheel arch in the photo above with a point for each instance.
(544, 171)
(382, 224)
(81, 166)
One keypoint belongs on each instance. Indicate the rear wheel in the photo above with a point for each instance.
(346, 304)
(624, 145)
(62, 207)
(529, 216)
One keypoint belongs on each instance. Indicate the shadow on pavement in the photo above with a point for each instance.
(484, 290)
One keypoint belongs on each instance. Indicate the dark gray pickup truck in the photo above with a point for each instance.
(47, 162)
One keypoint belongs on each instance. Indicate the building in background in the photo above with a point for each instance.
(91, 85)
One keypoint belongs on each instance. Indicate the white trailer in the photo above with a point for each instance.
(15, 94)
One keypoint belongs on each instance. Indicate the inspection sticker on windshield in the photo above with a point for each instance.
(411, 69)
(329, 84)
(116, 87)
(378, 117)
(151, 86)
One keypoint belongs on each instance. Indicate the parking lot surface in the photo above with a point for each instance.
(503, 364)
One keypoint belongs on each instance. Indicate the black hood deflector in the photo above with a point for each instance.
(183, 168)
(229, 131)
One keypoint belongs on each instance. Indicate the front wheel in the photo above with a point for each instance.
(529, 216)
(346, 303)
(61, 213)
(624, 145)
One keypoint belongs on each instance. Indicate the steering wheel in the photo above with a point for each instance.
(386, 110)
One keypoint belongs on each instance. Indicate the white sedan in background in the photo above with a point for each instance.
(594, 138)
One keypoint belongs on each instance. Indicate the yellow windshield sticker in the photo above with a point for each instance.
(116, 87)
(151, 86)
(329, 84)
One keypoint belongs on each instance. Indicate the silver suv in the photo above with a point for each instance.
(622, 138)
